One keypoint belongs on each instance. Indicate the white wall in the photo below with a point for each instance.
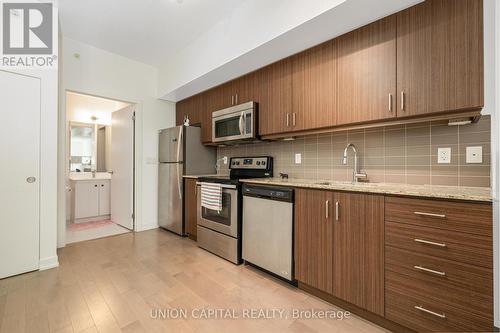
(101, 73)
(260, 32)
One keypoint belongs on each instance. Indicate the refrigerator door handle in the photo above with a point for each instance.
(179, 147)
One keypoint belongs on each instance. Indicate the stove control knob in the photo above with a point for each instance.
(258, 162)
(237, 163)
(263, 162)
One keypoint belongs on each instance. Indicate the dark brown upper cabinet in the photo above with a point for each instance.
(440, 57)
(271, 87)
(314, 88)
(190, 107)
(367, 73)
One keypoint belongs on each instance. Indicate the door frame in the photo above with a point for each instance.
(63, 167)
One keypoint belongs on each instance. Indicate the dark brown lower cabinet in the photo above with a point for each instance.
(314, 239)
(339, 245)
(359, 250)
(190, 207)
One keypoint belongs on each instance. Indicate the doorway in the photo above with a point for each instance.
(100, 173)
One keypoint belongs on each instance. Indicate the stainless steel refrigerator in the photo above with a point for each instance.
(180, 153)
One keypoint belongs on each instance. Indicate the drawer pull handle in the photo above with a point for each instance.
(421, 308)
(423, 241)
(441, 216)
(420, 268)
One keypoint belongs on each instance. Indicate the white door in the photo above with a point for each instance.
(19, 173)
(122, 165)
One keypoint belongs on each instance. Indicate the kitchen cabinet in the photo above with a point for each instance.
(271, 88)
(213, 101)
(438, 269)
(314, 88)
(314, 239)
(358, 252)
(190, 207)
(190, 107)
(339, 245)
(440, 57)
(367, 73)
(91, 198)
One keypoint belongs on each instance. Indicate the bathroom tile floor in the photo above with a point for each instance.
(92, 230)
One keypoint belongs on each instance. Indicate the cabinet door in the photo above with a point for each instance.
(358, 254)
(314, 238)
(190, 107)
(440, 57)
(367, 73)
(86, 199)
(314, 87)
(271, 87)
(104, 198)
(190, 207)
(241, 89)
(213, 99)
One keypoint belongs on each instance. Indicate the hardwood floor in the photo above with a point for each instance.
(112, 285)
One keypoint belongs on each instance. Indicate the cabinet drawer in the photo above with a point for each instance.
(401, 306)
(439, 272)
(467, 248)
(473, 218)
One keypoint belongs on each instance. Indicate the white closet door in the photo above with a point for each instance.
(19, 173)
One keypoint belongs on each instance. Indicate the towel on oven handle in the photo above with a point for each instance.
(211, 196)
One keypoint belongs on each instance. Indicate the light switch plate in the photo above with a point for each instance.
(444, 155)
(298, 158)
(474, 155)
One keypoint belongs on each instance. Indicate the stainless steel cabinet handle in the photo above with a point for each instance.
(327, 203)
(421, 308)
(390, 102)
(236, 99)
(420, 268)
(441, 216)
(337, 211)
(293, 119)
(402, 100)
(232, 100)
(423, 241)
(287, 120)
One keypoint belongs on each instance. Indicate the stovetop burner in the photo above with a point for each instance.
(243, 167)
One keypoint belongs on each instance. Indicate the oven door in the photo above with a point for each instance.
(233, 126)
(225, 221)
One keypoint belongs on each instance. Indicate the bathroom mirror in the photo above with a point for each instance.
(88, 147)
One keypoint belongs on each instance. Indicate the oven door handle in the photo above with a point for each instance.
(232, 187)
(242, 119)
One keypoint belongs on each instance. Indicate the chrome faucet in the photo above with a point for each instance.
(356, 174)
(93, 173)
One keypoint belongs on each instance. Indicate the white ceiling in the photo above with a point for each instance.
(81, 108)
(149, 31)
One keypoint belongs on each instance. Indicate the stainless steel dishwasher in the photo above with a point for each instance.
(267, 231)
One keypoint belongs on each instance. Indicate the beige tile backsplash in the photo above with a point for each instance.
(393, 154)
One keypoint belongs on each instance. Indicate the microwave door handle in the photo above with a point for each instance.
(244, 123)
(241, 122)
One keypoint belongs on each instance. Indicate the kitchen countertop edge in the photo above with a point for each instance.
(477, 194)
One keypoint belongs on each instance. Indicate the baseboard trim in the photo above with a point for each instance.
(48, 263)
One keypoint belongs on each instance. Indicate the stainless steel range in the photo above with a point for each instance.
(220, 231)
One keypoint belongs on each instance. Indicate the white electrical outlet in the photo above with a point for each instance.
(444, 155)
(224, 159)
(474, 155)
(298, 158)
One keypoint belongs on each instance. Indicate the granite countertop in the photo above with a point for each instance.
(425, 191)
(197, 176)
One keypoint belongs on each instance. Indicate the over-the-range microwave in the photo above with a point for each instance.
(235, 124)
